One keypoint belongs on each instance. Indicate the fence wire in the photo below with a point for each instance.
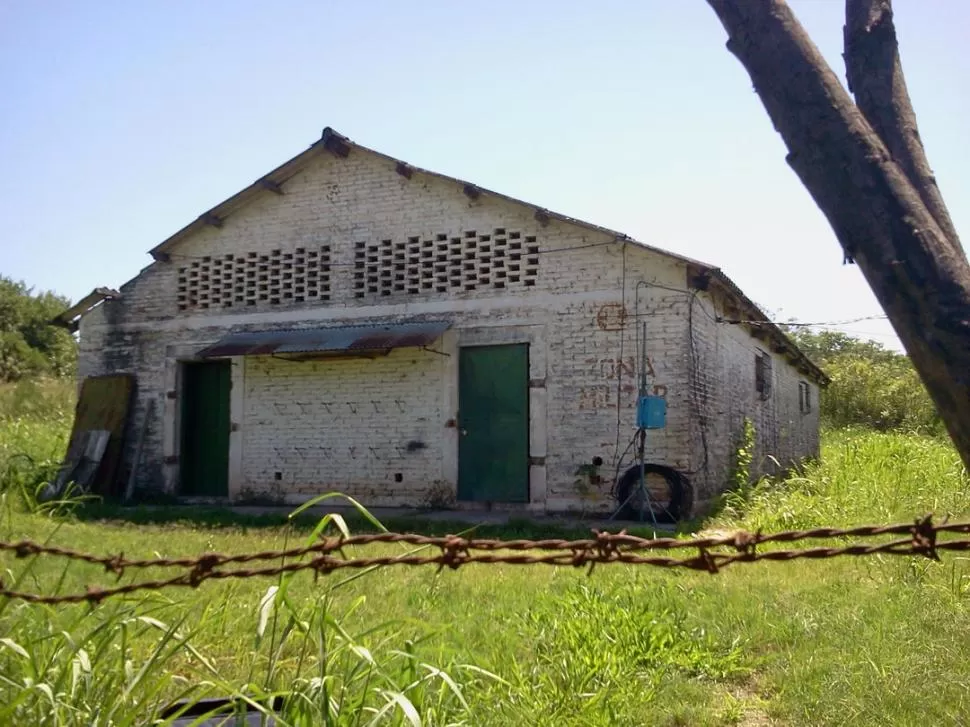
(711, 554)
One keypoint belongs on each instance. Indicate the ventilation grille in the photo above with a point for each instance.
(249, 279)
(445, 264)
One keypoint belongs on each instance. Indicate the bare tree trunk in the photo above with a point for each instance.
(918, 275)
(875, 76)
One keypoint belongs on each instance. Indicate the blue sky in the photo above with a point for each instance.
(122, 121)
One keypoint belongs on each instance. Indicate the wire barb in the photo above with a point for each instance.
(924, 537)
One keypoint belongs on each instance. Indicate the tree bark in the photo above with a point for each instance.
(919, 277)
(875, 76)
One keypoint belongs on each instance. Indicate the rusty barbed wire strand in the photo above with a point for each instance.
(631, 542)
(606, 548)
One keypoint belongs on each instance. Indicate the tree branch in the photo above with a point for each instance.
(921, 281)
(875, 75)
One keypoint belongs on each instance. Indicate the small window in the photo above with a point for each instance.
(804, 397)
(762, 375)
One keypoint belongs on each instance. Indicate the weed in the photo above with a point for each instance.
(735, 498)
(261, 498)
(588, 477)
(440, 496)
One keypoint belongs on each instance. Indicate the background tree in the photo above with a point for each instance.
(871, 387)
(29, 346)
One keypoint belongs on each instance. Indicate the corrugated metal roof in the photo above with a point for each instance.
(342, 338)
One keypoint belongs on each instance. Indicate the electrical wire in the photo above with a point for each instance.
(836, 329)
(796, 324)
(636, 332)
(637, 314)
(692, 296)
(619, 464)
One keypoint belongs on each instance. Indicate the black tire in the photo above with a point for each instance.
(674, 506)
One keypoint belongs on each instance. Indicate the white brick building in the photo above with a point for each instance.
(499, 351)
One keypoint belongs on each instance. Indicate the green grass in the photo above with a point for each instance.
(35, 420)
(35, 423)
(865, 476)
(869, 641)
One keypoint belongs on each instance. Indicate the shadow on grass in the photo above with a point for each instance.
(214, 517)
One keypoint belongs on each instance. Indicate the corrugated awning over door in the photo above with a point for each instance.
(376, 338)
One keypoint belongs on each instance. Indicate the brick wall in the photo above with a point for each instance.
(388, 248)
(722, 393)
(369, 428)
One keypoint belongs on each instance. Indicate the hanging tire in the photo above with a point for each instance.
(671, 496)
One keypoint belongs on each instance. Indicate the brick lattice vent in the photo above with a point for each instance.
(446, 264)
(249, 279)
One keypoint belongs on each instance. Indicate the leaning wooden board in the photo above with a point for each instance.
(104, 403)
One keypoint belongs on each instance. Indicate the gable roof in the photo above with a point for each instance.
(340, 146)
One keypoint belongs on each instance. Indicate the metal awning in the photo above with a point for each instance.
(362, 339)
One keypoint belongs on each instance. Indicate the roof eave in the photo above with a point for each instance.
(330, 140)
(782, 342)
(69, 319)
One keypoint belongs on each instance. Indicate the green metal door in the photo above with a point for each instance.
(493, 423)
(204, 454)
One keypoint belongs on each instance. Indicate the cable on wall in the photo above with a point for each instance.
(619, 369)
(693, 381)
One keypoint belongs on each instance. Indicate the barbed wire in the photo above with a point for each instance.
(455, 551)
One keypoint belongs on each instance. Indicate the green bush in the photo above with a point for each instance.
(871, 387)
(29, 345)
(879, 395)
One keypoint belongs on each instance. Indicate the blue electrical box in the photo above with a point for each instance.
(651, 412)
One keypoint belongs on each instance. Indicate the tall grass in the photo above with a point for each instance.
(863, 476)
(35, 423)
(35, 419)
(127, 660)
